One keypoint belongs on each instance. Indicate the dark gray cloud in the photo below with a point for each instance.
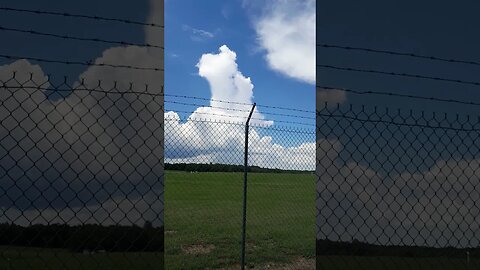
(398, 185)
(331, 97)
(85, 156)
(87, 149)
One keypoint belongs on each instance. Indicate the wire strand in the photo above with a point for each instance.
(394, 123)
(416, 76)
(397, 53)
(240, 117)
(54, 89)
(82, 87)
(209, 99)
(237, 110)
(241, 124)
(360, 92)
(286, 109)
(92, 17)
(32, 32)
(44, 60)
(239, 103)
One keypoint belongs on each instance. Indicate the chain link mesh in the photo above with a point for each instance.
(204, 189)
(397, 189)
(81, 175)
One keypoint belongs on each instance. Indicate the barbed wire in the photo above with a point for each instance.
(239, 103)
(285, 108)
(66, 14)
(399, 74)
(87, 63)
(238, 117)
(236, 110)
(242, 124)
(209, 99)
(297, 130)
(33, 32)
(435, 58)
(203, 105)
(369, 92)
(82, 87)
(54, 89)
(394, 123)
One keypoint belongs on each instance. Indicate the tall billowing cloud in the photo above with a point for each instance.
(227, 83)
(286, 30)
(196, 141)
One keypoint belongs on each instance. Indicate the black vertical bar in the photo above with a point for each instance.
(244, 224)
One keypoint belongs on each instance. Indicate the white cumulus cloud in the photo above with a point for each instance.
(198, 34)
(286, 30)
(213, 140)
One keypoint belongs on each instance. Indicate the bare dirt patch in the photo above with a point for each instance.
(198, 249)
(299, 264)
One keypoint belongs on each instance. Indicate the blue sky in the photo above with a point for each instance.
(194, 28)
(240, 51)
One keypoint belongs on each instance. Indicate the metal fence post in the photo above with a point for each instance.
(244, 221)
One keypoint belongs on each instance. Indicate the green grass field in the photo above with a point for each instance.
(203, 215)
(394, 263)
(12, 258)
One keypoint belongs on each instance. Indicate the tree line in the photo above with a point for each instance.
(89, 237)
(216, 167)
(357, 248)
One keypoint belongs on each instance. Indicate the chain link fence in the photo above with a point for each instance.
(204, 160)
(81, 174)
(397, 189)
